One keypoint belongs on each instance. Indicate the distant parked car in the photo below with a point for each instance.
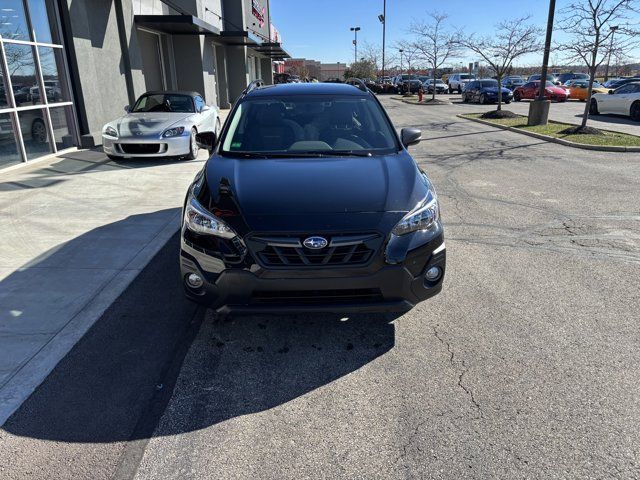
(457, 81)
(529, 91)
(408, 83)
(550, 78)
(618, 82)
(624, 100)
(512, 81)
(161, 124)
(565, 77)
(485, 91)
(440, 86)
(578, 89)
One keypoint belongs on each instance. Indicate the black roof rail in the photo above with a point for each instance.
(358, 83)
(253, 85)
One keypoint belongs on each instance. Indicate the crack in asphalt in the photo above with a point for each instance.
(468, 391)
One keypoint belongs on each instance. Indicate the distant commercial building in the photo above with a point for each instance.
(69, 66)
(315, 69)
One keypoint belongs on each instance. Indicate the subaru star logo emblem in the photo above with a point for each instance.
(315, 243)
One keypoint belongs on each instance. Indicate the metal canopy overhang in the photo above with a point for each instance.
(272, 50)
(176, 24)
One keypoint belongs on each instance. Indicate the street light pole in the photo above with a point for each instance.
(400, 50)
(606, 72)
(539, 108)
(355, 42)
(383, 19)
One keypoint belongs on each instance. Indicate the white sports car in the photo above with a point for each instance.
(160, 124)
(624, 100)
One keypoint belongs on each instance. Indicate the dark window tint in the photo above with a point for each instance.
(309, 124)
(489, 84)
(164, 103)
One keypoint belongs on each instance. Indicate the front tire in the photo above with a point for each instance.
(634, 113)
(516, 97)
(593, 107)
(459, 89)
(483, 99)
(193, 146)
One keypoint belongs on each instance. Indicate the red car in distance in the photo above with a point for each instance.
(529, 91)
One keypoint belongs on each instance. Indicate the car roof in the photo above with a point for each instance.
(306, 89)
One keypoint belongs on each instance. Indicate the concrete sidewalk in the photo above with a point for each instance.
(76, 230)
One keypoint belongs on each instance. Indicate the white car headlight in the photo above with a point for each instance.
(424, 217)
(110, 131)
(173, 132)
(199, 220)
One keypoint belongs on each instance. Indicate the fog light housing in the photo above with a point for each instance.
(193, 280)
(433, 274)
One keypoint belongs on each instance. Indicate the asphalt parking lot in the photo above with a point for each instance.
(526, 366)
(568, 112)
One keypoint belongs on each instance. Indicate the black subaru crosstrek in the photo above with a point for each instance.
(311, 202)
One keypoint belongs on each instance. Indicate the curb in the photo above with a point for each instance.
(421, 104)
(539, 136)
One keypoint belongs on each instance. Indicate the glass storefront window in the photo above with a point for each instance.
(22, 69)
(35, 120)
(13, 21)
(4, 99)
(61, 118)
(43, 19)
(33, 124)
(51, 62)
(9, 154)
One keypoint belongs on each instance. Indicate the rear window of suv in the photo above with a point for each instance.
(309, 124)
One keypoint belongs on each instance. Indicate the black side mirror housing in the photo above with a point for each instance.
(611, 92)
(127, 108)
(410, 136)
(206, 140)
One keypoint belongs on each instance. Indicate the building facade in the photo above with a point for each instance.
(315, 69)
(70, 66)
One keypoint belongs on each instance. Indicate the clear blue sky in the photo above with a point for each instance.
(319, 29)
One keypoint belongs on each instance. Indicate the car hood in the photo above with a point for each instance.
(272, 191)
(147, 123)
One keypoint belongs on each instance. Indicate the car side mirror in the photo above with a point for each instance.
(410, 136)
(206, 108)
(127, 108)
(206, 140)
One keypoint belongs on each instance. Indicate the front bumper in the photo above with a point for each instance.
(377, 287)
(129, 146)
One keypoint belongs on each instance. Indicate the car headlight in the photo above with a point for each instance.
(110, 131)
(423, 217)
(173, 132)
(199, 220)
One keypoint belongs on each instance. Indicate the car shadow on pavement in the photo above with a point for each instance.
(251, 364)
(114, 385)
(612, 118)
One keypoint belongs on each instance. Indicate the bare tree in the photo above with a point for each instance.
(511, 40)
(588, 25)
(372, 53)
(435, 43)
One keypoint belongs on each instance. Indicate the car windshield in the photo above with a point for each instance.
(161, 102)
(489, 84)
(309, 125)
(467, 77)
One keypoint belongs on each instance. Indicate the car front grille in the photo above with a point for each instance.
(140, 148)
(289, 251)
(317, 297)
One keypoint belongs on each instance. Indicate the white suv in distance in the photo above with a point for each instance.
(458, 81)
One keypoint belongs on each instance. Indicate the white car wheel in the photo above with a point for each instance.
(193, 146)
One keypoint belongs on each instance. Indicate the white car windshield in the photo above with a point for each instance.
(161, 102)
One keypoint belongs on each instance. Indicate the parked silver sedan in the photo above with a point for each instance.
(160, 124)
